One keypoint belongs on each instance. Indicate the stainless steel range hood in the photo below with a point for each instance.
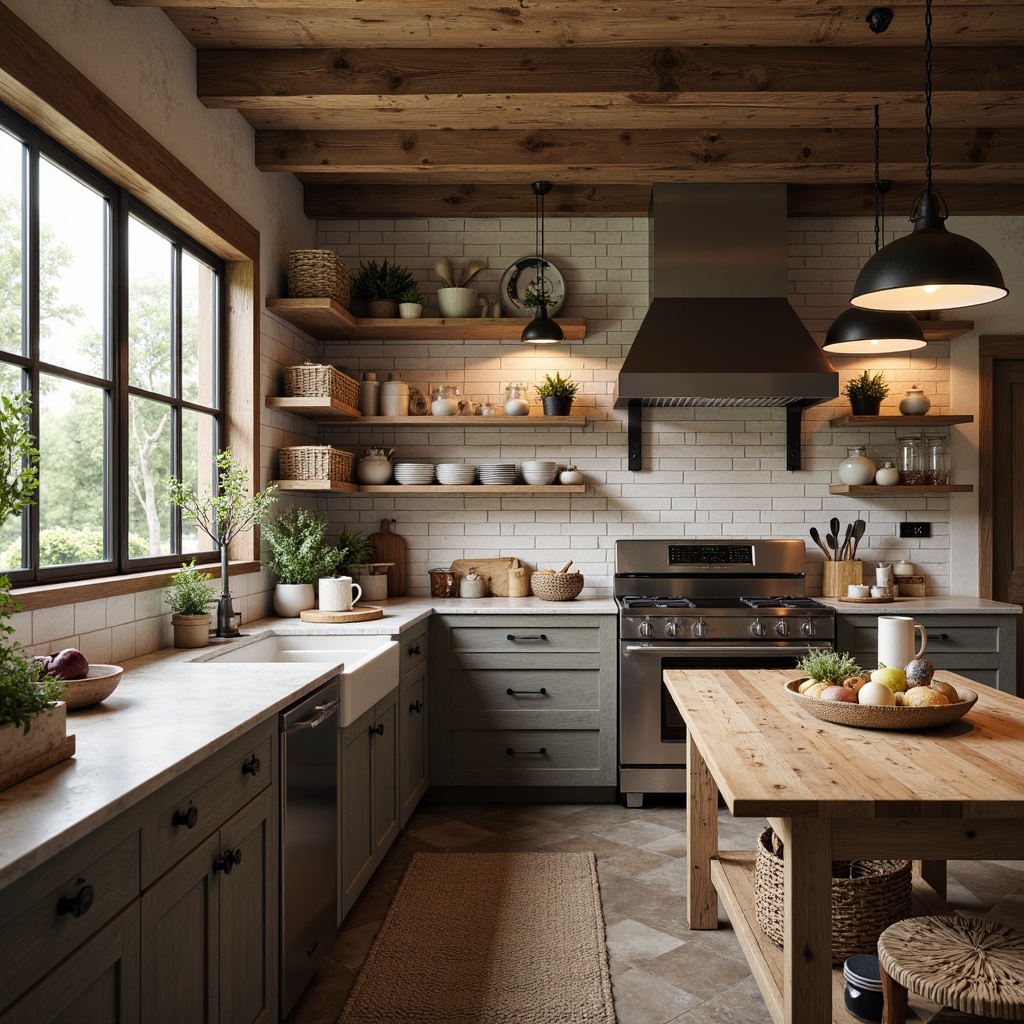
(720, 330)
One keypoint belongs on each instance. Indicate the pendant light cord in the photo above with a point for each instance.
(543, 293)
(928, 94)
(878, 184)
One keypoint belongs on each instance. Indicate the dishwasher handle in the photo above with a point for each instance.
(321, 713)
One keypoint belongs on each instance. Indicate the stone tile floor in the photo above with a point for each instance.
(662, 973)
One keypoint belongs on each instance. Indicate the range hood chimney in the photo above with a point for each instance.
(720, 330)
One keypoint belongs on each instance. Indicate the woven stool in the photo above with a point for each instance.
(971, 965)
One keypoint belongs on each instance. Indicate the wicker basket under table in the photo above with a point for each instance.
(318, 274)
(867, 897)
(316, 462)
(311, 380)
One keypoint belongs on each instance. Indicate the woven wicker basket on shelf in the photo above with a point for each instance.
(556, 586)
(316, 462)
(310, 380)
(318, 274)
(867, 897)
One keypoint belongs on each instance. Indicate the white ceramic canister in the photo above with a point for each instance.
(857, 469)
(339, 594)
(896, 635)
(887, 475)
(375, 466)
(394, 398)
(369, 395)
(903, 568)
(472, 585)
(915, 402)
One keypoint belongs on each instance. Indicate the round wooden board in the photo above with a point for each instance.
(363, 614)
(869, 600)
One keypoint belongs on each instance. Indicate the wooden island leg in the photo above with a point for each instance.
(934, 873)
(701, 839)
(807, 932)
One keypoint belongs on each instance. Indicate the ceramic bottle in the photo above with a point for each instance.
(856, 469)
(915, 402)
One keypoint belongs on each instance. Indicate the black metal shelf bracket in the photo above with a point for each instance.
(634, 435)
(794, 423)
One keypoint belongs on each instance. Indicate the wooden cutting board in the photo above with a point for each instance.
(391, 548)
(361, 613)
(494, 570)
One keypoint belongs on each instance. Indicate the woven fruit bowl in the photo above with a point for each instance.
(556, 586)
(863, 716)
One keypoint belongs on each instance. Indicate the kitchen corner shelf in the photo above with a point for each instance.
(327, 320)
(848, 420)
(884, 492)
(505, 489)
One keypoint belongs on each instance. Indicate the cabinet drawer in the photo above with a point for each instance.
(413, 651)
(206, 796)
(39, 923)
(943, 638)
(532, 750)
(506, 689)
(530, 638)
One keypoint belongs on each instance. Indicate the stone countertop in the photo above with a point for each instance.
(923, 606)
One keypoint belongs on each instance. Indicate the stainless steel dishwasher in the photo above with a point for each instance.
(309, 838)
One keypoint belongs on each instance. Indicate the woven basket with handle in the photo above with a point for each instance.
(316, 462)
(556, 586)
(311, 380)
(867, 897)
(318, 274)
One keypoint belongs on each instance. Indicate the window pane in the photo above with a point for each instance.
(150, 265)
(198, 331)
(72, 501)
(149, 466)
(12, 243)
(72, 272)
(12, 553)
(198, 448)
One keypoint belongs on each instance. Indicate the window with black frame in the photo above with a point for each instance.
(112, 320)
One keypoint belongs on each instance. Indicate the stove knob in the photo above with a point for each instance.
(645, 628)
(807, 628)
(782, 628)
(699, 628)
(672, 627)
(757, 628)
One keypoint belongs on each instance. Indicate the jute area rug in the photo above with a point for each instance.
(489, 938)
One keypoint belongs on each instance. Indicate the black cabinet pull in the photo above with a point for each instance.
(377, 730)
(228, 861)
(938, 636)
(78, 904)
(252, 766)
(512, 692)
(413, 651)
(511, 752)
(417, 707)
(527, 636)
(187, 818)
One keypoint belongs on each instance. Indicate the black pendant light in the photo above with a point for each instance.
(541, 330)
(931, 268)
(865, 331)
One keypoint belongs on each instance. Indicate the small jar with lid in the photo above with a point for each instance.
(517, 399)
(887, 474)
(936, 459)
(444, 400)
(915, 402)
(857, 469)
(910, 461)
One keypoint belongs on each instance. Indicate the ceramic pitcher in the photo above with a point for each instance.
(896, 635)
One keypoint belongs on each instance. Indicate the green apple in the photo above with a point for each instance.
(894, 678)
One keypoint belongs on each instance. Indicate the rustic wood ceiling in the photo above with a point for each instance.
(396, 107)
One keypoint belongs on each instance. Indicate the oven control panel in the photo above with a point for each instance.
(710, 554)
(791, 627)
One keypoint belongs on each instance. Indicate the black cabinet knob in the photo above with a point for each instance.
(78, 904)
(413, 651)
(417, 707)
(228, 861)
(252, 766)
(377, 730)
(188, 818)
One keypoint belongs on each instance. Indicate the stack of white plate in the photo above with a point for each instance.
(455, 474)
(538, 472)
(414, 473)
(497, 473)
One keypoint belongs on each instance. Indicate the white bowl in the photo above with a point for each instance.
(538, 479)
(538, 466)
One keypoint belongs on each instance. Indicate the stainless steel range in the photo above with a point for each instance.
(700, 604)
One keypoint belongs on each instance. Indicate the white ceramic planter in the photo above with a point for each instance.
(457, 302)
(191, 630)
(291, 599)
(410, 310)
(374, 588)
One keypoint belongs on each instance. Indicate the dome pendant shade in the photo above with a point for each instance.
(931, 268)
(542, 330)
(867, 331)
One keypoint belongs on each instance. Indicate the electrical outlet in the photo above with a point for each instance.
(915, 529)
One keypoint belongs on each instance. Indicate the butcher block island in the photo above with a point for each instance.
(835, 792)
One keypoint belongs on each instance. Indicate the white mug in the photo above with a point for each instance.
(336, 594)
(896, 640)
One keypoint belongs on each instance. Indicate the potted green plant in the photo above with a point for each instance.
(357, 561)
(300, 554)
(222, 517)
(190, 597)
(537, 295)
(410, 304)
(557, 393)
(380, 286)
(866, 393)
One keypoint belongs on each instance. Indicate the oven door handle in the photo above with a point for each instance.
(685, 650)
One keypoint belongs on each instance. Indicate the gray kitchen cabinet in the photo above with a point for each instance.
(522, 701)
(368, 795)
(980, 647)
(412, 719)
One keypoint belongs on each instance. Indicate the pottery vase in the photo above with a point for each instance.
(857, 469)
(291, 599)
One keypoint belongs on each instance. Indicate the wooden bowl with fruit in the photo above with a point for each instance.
(84, 684)
(835, 689)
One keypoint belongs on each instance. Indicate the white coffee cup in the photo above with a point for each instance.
(857, 590)
(896, 635)
(336, 594)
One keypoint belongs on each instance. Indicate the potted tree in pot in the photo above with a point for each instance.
(557, 393)
(866, 393)
(381, 287)
(299, 555)
(189, 597)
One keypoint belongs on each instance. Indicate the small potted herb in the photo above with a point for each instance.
(866, 393)
(410, 303)
(537, 295)
(381, 287)
(557, 393)
(357, 561)
(190, 597)
(299, 555)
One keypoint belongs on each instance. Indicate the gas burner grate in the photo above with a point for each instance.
(781, 602)
(633, 601)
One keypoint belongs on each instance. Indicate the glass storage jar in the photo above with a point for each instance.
(444, 400)
(517, 399)
(936, 460)
(910, 459)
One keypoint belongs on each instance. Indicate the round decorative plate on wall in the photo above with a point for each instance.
(518, 278)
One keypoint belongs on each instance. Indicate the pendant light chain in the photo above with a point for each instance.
(878, 184)
(928, 94)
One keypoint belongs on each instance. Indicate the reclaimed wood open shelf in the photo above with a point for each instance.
(849, 420)
(509, 490)
(328, 320)
(885, 492)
